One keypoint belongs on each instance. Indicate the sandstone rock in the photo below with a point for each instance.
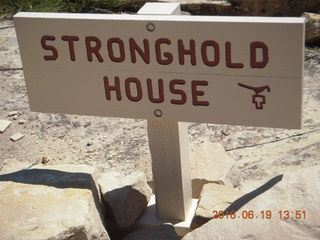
(53, 202)
(234, 177)
(161, 232)
(13, 113)
(4, 124)
(10, 165)
(214, 197)
(125, 196)
(210, 164)
(205, 7)
(16, 137)
(298, 191)
(312, 28)
(22, 121)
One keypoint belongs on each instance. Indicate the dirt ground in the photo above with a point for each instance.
(122, 144)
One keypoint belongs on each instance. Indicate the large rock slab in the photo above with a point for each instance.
(52, 202)
(213, 199)
(125, 196)
(298, 193)
(160, 232)
(211, 164)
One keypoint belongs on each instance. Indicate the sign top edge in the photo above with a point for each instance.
(186, 18)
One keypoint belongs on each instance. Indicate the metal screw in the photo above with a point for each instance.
(151, 27)
(158, 113)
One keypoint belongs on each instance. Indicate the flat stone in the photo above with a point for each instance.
(16, 137)
(211, 164)
(296, 197)
(52, 202)
(125, 196)
(4, 124)
(22, 121)
(214, 197)
(10, 165)
(13, 113)
(161, 232)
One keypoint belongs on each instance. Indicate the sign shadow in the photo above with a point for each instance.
(240, 202)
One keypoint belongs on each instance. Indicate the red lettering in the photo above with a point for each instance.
(44, 45)
(229, 62)
(182, 93)
(216, 56)
(183, 51)
(168, 56)
(253, 55)
(138, 91)
(145, 55)
(115, 88)
(93, 49)
(160, 90)
(70, 40)
(112, 56)
(196, 93)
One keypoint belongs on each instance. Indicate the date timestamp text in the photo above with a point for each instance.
(265, 214)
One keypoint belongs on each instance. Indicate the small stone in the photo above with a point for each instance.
(22, 121)
(4, 124)
(312, 28)
(13, 113)
(15, 117)
(45, 160)
(225, 132)
(16, 137)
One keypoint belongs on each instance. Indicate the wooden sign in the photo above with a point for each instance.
(225, 70)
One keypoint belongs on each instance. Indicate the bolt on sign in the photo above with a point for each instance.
(224, 70)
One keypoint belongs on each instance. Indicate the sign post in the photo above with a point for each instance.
(169, 147)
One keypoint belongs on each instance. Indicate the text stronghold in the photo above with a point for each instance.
(163, 49)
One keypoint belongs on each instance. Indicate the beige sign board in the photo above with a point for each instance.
(224, 70)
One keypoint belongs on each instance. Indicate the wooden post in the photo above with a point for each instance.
(169, 147)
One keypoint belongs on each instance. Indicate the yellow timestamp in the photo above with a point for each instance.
(265, 214)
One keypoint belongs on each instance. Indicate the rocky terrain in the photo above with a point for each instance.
(121, 145)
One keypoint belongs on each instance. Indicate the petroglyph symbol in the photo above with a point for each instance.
(257, 99)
